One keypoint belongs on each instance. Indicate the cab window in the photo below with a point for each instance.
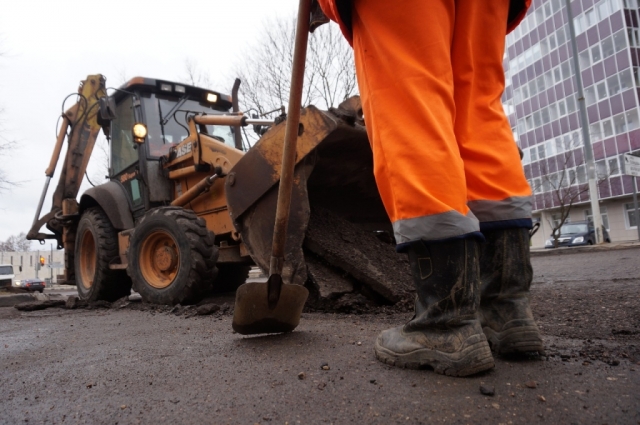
(166, 119)
(123, 151)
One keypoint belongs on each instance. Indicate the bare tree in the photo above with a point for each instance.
(194, 75)
(563, 180)
(265, 71)
(6, 147)
(99, 161)
(122, 77)
(16, 243)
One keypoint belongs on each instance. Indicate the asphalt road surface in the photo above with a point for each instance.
(129, 366)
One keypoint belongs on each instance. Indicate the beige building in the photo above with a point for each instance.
(27, 261)
(617, 217)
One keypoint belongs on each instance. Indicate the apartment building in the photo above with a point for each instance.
(541, 102)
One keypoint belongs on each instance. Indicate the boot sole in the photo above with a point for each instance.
(475, 357)
(518, 337)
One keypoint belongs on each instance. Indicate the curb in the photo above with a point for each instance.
(542, 252)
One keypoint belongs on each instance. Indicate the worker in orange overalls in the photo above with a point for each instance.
(448, 171)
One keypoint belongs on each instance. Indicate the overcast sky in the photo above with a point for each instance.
(49, 46)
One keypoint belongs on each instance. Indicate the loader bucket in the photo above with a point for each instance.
(333, 175)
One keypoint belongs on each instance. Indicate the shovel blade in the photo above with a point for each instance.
(252, 314)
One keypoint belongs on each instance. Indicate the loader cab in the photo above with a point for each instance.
(163, 108)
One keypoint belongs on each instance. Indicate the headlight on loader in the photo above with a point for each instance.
(212, 97)
(139, 132)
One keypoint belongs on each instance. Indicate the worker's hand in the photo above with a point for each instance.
(317, 17)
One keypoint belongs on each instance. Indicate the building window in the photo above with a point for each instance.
(557, 74)
(607, 47)
(620, 40)
(571, 104)
(572, 177)
(537, 186)
(603, 215)
(634, 38)
(584, 58)
(603, 10)
(562, 108)
(613, 84)
(582, 174)
(590, 95)
(596, 56)
(30, 260)
(619, 124)
(555, 220)
(632, 119)
(602, 90)
(601, 169)
(630, 217)
(594, 131)
(614, 5)
(541, 151)
(607, 128)
(626, 80)
(566, 69)
(614, 168)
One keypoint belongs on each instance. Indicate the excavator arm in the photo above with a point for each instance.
(80, 127)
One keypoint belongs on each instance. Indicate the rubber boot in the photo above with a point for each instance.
(444, 332)
(505, 275)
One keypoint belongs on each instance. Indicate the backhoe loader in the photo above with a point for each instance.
(186, 209)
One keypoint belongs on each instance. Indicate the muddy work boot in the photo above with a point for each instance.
(444, 333)
(505, 276)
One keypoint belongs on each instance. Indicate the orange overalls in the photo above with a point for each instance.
(431, 78)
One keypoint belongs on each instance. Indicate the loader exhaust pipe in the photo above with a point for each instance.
(235, 105)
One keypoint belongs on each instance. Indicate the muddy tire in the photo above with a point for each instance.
(230, 276)
(96, 246)
(172, 258)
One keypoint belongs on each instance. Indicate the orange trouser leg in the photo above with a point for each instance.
(403, 62)
(497, 190)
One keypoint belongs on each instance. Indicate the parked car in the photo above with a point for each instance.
(577, 233)
(33, 285)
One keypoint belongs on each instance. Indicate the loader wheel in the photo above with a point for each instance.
(96, 245)
(172, 258)
(230, 276)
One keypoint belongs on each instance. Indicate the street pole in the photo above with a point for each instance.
(50, 265)
(37, 262)
(584, 123)
(635, 205)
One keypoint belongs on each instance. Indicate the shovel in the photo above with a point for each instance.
(273, 306)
